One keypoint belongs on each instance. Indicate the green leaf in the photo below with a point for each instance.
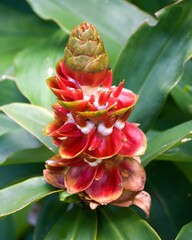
(51, 211)
(16, 173)
(7, 228)
(15, 141)
(77, 223)
(14, 138)
(9, 93)
(19, 30)
(7, 124)
(181, 153)
(122, 223)
(186, 168)
(153, 58)
(21, 222)
(165, 140)
(37, 155)
(42, 59)
(185, 233)
(170, 116)
(182, 98)
(32, 118)
(64, 195)
(182, 92)
(116, 20)
(18, 196)
(186, 78)
(154, 5)
(171, 195)
(18, 145)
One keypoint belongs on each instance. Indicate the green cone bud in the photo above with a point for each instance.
(85, 50)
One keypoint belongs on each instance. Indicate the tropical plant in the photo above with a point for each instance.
(151, 53)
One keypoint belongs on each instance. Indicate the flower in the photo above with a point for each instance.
(118, 180)
(99, 150)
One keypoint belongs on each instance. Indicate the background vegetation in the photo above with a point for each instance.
(153, 56)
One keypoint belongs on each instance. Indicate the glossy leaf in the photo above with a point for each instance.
(185, 233)
(36, 155)
(116, 20)
(15, 141)
(181, 153)
(32, 118)
(152, 60)
(77, 223)
(22, 194)
(7, 124)
(186, 78)
(9, 93)
(182, 92)
(51, 211)
(19, 172)
(122, 223)
(18, 31)
(182, 98)
(165, 140)
(171, 199)
(13, 138)
(35, 65)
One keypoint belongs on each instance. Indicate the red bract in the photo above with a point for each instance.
(117, 180)
(98, 149)
(95, 139)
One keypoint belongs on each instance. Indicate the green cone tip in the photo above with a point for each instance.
(85, 50)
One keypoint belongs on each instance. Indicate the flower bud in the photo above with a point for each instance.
(85, 58)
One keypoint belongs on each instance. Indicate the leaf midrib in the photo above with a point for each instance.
(113, 226)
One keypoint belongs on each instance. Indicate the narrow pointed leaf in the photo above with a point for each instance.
(107, 18)
(185, 233)
(32, 118)
(78, 223)
(153, 58)
(123, 223)
(165, 140)
(20, 195)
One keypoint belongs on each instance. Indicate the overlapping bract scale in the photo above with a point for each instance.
(98, 149)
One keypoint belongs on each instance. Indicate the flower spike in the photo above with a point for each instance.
(98, 150)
